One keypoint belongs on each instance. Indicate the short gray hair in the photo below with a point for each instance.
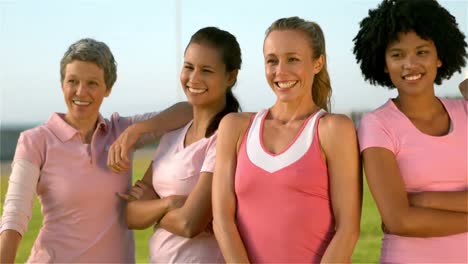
(90, 50)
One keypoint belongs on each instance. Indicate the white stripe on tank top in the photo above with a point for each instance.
(273, 163)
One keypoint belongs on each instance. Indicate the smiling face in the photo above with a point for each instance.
(289, 64)
(84, 90)
(412, 64)
(204, 77)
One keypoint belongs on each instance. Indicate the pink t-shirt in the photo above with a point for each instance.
(427, 163)
(83, 218)
(284, 212)
(176, 170)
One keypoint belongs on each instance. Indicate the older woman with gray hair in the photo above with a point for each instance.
(64, 162)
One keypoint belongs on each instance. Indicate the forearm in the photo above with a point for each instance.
(195, 214)
(341, 247)
(172, 118)
(9, 242)
(141, 214)
(182, 224)
(427, 222)
(230, 242)
(450, 201)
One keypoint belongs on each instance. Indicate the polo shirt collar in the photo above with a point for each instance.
(64, 131)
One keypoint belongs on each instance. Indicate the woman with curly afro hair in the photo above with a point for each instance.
(414, 147)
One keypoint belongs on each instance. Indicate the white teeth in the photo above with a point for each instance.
(285, 85)
(197, 91)
(81, 102)
(412, 77)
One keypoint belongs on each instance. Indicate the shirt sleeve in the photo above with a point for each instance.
(373, 133)
(19, 199)
(210, 156)
(30, 147)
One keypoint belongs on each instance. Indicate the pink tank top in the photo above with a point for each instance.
(284, 212)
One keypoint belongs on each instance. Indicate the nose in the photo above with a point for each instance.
(194, 76)
(281, 67)
(80, 89)
(410, 61)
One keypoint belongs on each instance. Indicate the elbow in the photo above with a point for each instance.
(397, 225)
(188, 229)
(132, 225)
(349, 233)
(132, 221)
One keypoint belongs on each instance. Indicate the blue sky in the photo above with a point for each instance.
(142, 35)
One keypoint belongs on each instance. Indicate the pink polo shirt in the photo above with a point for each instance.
(83, 218)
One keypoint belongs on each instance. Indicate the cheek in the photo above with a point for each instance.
(183, 79)
(269, 74)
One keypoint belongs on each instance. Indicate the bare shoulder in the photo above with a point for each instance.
(233, 127)
(235, 121)
(336, 125)
(337, 136)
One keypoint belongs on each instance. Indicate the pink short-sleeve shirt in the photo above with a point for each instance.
(176, 170)
(426, 163)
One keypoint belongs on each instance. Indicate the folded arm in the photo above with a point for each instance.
(450, 201)
(196, 213)
(399, 216)
(147, 210)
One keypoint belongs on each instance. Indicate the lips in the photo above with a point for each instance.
(197, 90)
(81, 103)
(412, 77)
(285, 84)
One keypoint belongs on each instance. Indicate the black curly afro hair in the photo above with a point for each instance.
(425, 17)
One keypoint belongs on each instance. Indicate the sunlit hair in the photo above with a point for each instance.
(230, 52)
(321, 88)
(90, 50)
(426, 18)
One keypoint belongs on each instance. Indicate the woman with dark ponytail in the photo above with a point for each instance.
(175, 193)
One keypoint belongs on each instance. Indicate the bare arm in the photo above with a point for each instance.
(450, 201)
(9, 242)
(196, 213)
(400, 218)
(464, 88)
(149, 208)
(173, 117)
(339, 143)
(224, 198)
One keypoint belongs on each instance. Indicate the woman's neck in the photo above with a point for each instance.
(202, 117)
(292, 111)
(419, 106)
(85, 127)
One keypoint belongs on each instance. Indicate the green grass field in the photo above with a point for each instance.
(367, 250)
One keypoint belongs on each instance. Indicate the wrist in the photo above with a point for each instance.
(137, 129)
(169, 203)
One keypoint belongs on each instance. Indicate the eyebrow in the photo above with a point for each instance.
(418, 47)
(287, 54)
(203, 66)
